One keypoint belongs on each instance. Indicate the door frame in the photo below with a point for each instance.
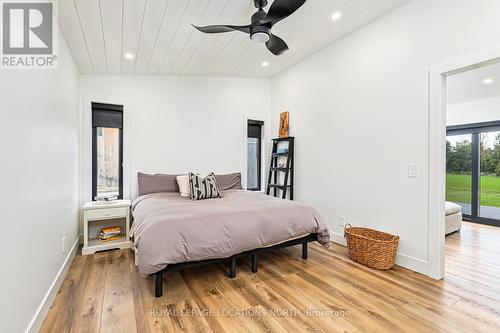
(437, 151)
(263, 147)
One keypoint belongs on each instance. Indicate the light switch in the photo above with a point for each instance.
(412, 171)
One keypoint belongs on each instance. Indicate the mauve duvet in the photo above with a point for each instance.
(169, 229)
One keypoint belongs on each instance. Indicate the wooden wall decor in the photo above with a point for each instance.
(284, 118)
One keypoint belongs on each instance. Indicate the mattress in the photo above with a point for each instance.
(170, 229)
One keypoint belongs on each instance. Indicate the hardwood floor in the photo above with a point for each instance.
(327, 293)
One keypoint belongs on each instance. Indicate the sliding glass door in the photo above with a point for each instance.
(459, 171)
(473, 170)
(489, 189)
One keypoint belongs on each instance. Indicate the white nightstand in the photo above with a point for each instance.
(97, 215)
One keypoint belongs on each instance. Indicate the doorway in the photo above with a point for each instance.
(437, 150)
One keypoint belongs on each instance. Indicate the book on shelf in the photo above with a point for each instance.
(110, 239)
(111, 229)
(109, 233)
(104, 236)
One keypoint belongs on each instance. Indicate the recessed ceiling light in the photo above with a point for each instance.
(128, 56)
(488, 81)
(336, 16)
(265, 63)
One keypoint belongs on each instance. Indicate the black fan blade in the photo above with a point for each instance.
(217, 29)
(281, 9)
(276, 45)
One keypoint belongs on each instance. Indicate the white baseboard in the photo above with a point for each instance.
(37, 321)
(403, 260)
(337, 238)
(412, 263)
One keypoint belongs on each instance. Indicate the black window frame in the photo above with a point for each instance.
(114, 121)
(475, 130)
(254, 130)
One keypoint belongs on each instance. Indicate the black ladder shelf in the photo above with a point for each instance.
(287, 169)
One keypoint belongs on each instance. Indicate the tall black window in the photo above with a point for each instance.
(107, 150)
(473, 170)
(254, 147)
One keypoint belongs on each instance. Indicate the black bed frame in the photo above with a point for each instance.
(232, 260)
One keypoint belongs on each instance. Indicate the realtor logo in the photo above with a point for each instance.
(28, 34)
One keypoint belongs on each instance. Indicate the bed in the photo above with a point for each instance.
(171, 232)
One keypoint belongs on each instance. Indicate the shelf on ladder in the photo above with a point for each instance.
(278, 185)
(279, 168)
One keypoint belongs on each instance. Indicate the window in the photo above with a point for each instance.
(459, 170)
(473, 170)
(254, 147)
(107, 150)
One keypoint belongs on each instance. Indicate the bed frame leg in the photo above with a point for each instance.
(232, 268)
(255, 262)
(159, 284)
(304, 251)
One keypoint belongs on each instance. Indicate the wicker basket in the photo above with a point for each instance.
(370, 247)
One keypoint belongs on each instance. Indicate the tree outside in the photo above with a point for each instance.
(459, 169)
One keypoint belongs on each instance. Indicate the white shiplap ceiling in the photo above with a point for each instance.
(160, 36)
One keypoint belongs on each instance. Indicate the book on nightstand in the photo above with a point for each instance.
(107, 234)
(110, 239)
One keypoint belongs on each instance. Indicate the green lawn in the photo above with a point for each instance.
(458, 189)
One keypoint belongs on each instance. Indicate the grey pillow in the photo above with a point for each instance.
(156, 183)
(229, 182)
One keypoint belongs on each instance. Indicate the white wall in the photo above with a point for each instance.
(39, 136)
(473, 112)
(176, 125)
(359, 110)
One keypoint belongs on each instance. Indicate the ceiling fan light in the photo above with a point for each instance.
(260, 37)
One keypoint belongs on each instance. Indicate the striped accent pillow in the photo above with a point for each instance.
(203, 188)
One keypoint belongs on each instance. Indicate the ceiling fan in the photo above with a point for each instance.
(262, 23)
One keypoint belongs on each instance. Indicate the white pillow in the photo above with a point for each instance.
(183, 182)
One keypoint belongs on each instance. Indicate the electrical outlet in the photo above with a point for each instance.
(341, 220)
(64, 244)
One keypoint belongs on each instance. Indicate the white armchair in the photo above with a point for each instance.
(453, 217)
